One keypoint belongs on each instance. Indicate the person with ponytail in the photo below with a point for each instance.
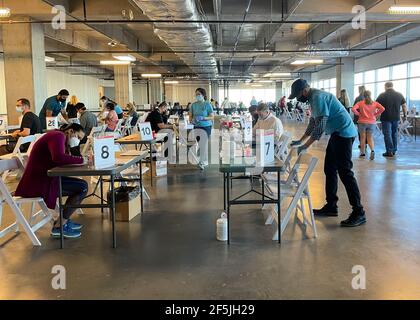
(50, 151)
(368, 112)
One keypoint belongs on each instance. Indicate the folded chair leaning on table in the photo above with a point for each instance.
(53, 150)
(36, 219)
(296, 189)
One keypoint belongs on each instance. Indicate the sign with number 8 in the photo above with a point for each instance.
(104, 152)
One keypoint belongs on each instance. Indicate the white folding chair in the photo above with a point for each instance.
(36, 219)
(289, 114)
(403, 131)
(297, 190)
(96, 132)
(22, 156)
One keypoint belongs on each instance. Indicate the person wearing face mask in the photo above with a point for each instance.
(201, 112)
(331, 117)
(156, 118)
(267, 121)
(53, 106)
(53, 150)
(117, 108)
(30, 125)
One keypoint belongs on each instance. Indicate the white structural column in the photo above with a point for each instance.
(279, 90)
(155, 91)
(24, 66)
(123, 79)
(214, 94)
(345, 76)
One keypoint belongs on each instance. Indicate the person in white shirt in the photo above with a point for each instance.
(268, 121)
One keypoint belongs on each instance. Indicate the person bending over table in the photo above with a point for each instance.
(53, 150)
(53, 106)
(132, 112)
(329, 115)
(268, 121)
(111, 119)
(30, 125)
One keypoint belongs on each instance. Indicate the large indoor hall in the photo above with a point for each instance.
(209, 150)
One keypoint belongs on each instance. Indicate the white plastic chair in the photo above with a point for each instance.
(22, 156)
(36, 219)
(297, 190)
(403, 131)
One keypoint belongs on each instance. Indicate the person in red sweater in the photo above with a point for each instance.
(368, 111)
(53, 150)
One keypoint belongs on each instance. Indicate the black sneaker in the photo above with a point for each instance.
(388, 155)
(326, 211)
(354, 220)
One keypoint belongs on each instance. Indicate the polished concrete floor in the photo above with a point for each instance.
(171, 252)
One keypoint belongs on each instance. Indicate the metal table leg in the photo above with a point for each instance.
(262, 192)
(278, 206)
(60, 208)
(112, 210)
(101, 184)
(141, 187)
(151, 164)
(228, 205)
(224, 192)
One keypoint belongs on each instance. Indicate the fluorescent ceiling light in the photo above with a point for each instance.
(302, 62)
(4, 12)
(49, 59)
(151, 75)
(265, 81)
(127, 57)
(256, 85)
(114, 62)
(171, 82)
(277, 74)
(404, 10)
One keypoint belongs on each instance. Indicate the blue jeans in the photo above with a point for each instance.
(390, 131)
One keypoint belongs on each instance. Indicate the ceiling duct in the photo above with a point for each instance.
(325, 51)
(182, 36)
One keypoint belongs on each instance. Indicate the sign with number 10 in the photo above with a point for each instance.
(104, 152)
(145, 131)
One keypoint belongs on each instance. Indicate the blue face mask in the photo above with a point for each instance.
(199, 98)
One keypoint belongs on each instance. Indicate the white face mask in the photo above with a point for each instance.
(74, 142)
(106, 114)
(19, 109)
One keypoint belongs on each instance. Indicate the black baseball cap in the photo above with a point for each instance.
(297, 87)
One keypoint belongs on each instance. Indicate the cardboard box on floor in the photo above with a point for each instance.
(126, 211)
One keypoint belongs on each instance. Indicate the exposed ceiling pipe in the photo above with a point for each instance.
(183, 21)
(239, 34)
(215, 51)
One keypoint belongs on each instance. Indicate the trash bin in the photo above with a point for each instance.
(127, 203)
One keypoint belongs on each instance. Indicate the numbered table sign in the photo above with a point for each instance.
(248, 131)
(52, 123)
(3, 123)
(104, 152)
(146, 131)
(265, 147)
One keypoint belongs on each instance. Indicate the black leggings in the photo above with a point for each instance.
(75, 189)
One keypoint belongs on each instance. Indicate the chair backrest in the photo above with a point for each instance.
(143, 117)
(10, 164)
(304, 159)
(23, 140)
(37, 137)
